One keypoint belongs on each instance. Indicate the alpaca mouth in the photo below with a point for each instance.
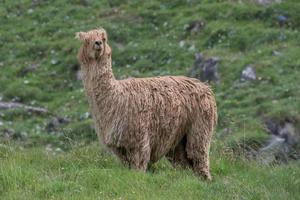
(97, 47)
(98, 53)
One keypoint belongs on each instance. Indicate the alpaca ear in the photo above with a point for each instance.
(104, 36)
(108, 49)
(82, 36)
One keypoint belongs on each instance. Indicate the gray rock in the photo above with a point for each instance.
(54, 124)
(267, 2)
(85, 116)
(263, 2)
(84, 2)
(119, 46)
(26, 70)
(284, 129)
(205, 69)
(248, 74)
(276, 53)
(283, 144)
(8, 134)
(268, 153)
(49, 147)
(195, 27)
(181, 43)
(198, 60)
(282, 20)
(35, 3)
(78, 75)
(54, 61)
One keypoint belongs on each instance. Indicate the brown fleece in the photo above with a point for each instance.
(144, 119)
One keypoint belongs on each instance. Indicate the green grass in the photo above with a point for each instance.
(238, 32)
(90, 173)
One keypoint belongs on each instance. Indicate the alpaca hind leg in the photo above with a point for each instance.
(197, 148)
(178, 155)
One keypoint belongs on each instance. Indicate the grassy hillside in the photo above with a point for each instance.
(38, 67)
(86, 173)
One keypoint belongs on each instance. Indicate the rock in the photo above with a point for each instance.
(35, 3)
(225, 132)
(282, 20)
(84, 2)
(210, 70)
(195, 27)
(205, 69)
(192, 47)
(30, 10)
(181, 43)
(119, 46)
(272, 127)
(14, 105)
(263, 2)
(198, 60)
(55, 122)
(267, 2)
(78, 75)
(54, 61)
(85, 116)
(248, 74)
(283, 142)
(58, 150)
(26, 70)
(268, 154)
(15, 99)
(282, 146)
(282, 36)
(288, 131)
(8, 134)
(49, 147)
(77, 71)
(284, 129)
(276, 53)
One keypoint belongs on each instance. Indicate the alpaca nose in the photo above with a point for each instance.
(98, 43)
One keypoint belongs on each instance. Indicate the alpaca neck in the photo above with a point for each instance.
(100, 85)
(102, 78)
(98, 77)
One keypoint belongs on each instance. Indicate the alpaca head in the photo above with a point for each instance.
(94, 44)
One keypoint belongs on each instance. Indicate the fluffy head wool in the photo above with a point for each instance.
(144, 119)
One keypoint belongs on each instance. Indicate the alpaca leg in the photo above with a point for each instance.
(121, 153)
(135, 158)
(197, 148)
(139, 158)
(178, 156)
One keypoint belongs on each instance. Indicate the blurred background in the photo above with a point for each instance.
(247, 50)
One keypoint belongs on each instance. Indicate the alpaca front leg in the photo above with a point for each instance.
(121, 153)
(139, 158)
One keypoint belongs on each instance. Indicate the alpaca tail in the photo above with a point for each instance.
(210, 109)
(215, 113)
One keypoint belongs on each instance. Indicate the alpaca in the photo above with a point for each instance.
(143, 119)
